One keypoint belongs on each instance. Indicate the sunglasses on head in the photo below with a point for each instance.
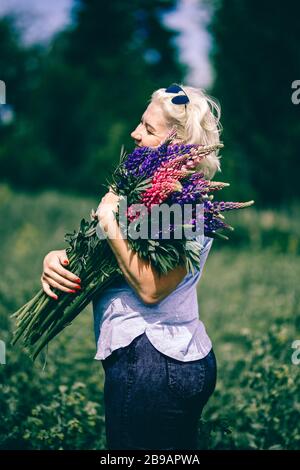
(180, 99)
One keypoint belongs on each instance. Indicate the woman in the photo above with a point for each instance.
(160, 367)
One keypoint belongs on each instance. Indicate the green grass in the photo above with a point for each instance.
(248, 298)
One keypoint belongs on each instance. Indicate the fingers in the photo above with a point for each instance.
(47, 289)
(62, 255)
(55, 275)
(54, 267)
(51, 282)
(64, 279)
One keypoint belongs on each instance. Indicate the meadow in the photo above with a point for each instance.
(248, 299)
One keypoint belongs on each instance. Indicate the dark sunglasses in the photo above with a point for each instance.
(180, 99)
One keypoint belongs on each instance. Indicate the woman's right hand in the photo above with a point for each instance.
(55, 275)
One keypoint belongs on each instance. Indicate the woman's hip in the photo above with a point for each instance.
(144, 367)
(153, 401)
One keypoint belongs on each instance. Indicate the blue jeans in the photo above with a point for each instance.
(153, 401)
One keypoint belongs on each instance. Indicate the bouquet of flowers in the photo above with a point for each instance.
(146, 179)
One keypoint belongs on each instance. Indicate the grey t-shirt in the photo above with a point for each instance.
(172, 325)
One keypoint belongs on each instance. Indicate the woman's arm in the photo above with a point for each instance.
(141, 275)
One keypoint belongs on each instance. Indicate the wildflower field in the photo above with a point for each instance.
(248, 299)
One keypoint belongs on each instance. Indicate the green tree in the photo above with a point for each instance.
(77, 99)
(97, 79)
(256, 59)
(23, 160)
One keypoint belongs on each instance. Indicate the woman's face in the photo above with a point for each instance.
(152, 128)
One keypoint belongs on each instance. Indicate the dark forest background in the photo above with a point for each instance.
(76, 100)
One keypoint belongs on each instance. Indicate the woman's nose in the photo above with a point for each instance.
(136, 135)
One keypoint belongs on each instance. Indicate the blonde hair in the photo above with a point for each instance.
(196, 123)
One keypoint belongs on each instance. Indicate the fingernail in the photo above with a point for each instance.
(72, 290)
(77, 287)
(66, 261)
(78, 280)
(55, 298)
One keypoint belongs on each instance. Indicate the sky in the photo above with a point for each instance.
(194, 41)
(44, 18)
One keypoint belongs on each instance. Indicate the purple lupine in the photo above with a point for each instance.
(144, 161)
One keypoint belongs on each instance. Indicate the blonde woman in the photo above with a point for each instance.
(160, 367)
